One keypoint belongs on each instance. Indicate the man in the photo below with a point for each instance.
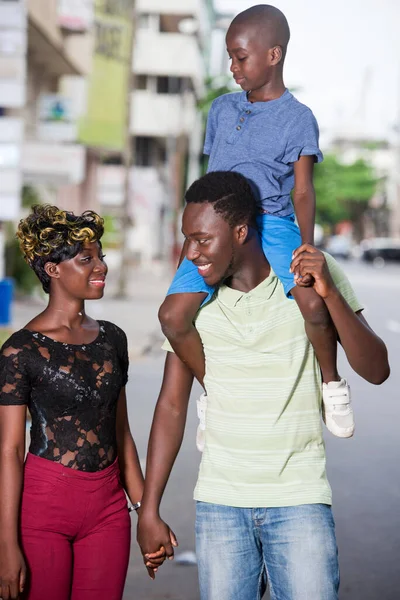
(263, 499)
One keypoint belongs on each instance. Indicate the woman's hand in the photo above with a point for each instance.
(12, 572)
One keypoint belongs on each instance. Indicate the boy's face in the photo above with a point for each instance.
(252, 59)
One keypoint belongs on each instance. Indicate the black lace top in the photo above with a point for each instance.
(71, 391)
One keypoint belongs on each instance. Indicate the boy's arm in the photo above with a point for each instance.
(165, 440)
(304, 197)
(365, 351)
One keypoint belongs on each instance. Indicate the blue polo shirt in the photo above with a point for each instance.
(262, 140)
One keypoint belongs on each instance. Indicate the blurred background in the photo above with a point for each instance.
(103, 105)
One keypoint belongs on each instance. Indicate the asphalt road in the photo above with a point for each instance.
(364, 471)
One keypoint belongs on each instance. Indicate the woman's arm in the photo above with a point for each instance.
(12, 452)
(131, 472)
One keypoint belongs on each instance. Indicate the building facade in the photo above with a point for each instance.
(170, 61)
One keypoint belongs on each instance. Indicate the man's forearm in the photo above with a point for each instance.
(164, 444)
(167, 430)
(365, 351)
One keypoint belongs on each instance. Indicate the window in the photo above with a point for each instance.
(147, 21)
(169, 85)
(149, 151)
(141, 82)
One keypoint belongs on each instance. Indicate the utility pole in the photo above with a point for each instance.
(128, 159)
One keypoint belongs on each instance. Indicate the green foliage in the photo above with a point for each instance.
(111, 237)
(343, 191)
(30, 197)
(215, 87)
(24, 278)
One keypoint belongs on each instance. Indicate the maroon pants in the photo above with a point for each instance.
(75, 530)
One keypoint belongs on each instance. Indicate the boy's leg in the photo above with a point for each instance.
(337, 411)
(229, 554)
(320, 330)
(186, 294)
(176, 316)
(300, 552)
(280, 237)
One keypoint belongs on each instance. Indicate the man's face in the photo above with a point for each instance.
(211, 244)
(250, 57)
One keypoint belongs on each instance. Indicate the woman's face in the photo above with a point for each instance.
(82, 277)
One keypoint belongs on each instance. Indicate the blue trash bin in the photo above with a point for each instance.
(6, 296)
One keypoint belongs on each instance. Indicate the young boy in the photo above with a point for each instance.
(265, 134)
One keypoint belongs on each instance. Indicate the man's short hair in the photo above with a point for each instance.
(229, 193)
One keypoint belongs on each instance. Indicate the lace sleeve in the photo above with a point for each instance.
(119, 340)
(123, 354)
(14, 379)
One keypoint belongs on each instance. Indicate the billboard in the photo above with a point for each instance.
(104, 124)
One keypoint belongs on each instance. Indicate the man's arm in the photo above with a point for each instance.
(365, 351)
(165, 441)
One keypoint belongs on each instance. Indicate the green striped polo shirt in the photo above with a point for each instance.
(263, 438)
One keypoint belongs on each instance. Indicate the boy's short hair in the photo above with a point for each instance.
(230, 194)
(49, 234)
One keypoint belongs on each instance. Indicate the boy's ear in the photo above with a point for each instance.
(276, 55)
(52, 270)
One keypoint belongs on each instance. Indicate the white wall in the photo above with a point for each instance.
(169, 54)
(161, 115)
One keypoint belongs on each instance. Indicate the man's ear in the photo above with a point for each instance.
(276, 55)
(52, 270)
(242, 232)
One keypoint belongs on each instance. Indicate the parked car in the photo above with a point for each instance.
(379, 251)
(339, 246)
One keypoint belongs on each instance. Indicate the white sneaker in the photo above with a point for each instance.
(337, 412)
(201, 429)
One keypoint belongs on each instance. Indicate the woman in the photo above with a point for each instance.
(65, 511)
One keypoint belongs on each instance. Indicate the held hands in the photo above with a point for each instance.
(309, 264)
(12, 572)
(152, 533)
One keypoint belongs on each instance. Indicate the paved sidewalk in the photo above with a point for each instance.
(136, 315)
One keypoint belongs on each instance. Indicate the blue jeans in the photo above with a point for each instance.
(240, 549)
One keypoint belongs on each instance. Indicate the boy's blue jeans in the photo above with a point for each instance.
(293, 548)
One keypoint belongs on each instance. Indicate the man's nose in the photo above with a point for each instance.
(192, 252)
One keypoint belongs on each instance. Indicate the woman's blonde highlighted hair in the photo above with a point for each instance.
(49, 234)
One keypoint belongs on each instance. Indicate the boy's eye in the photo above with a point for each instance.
(203, 241)
(242, 59)
(102, 256)
(86, 259)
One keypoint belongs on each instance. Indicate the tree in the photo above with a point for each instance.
(343, 191)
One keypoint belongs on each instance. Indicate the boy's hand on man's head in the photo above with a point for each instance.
(308, 261)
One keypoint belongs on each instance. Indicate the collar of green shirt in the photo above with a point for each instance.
(265, 289)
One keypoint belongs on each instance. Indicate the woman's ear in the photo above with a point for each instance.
(52, 270)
